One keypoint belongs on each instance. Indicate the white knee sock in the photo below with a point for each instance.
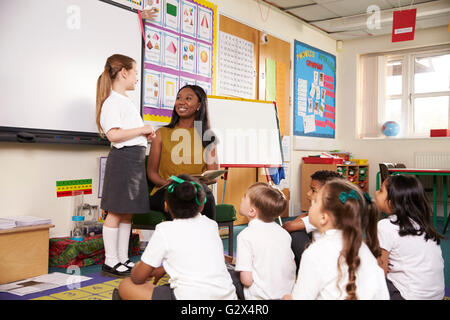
(110, 236)
(123, 242)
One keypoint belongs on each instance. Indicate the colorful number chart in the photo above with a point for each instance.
(179, 49)
(314, 92)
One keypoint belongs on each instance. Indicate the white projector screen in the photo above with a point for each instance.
(52, 54)
(247, 130)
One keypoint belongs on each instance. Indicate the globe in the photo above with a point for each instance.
(390, 128)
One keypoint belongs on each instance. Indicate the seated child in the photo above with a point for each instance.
(339, 265)
(189, 249)
(410, 252)
(265, 264)
(301, 230)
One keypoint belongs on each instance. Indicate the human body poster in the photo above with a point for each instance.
(314, 92)
(179, 47)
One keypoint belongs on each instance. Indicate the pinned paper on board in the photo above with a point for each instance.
(309, 123)
(171, 14)
(170, 89)
(188, 55)
(271, 74)
(204, 24)
(189, 19)
(152, 83)
(171, 54)
(155, 7)
(203, 60)
(152, 45)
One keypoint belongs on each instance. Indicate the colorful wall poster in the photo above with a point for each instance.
(170, 90)
(171, 52)
(171, 15)
(205, 26)
(188, 55)
(152, 87)
(189, 18)
(204, 60)
(153, 45)
(314, 97)
(179, 49)
(156, 6)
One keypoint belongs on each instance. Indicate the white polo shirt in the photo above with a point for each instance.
(417, 266)
(310, 228)
(318, 273)
(118, 111)
(191, 252)
(264, 248)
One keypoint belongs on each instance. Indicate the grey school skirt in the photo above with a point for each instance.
(125, 188)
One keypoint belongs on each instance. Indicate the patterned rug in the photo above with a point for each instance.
(98, 288)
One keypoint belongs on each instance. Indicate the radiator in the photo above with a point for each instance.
(432, 160)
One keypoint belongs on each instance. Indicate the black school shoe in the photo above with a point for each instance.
(107, 271)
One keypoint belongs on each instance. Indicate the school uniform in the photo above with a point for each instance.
(264, 248)
(191, 252)
(318, 274)
(416, 265)
(125, 187)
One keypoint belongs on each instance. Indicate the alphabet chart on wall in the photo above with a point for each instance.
(314, 92)
(179, 49)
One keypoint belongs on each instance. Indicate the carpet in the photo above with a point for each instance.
(97, 288)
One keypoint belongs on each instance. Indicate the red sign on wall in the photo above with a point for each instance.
(404, 25)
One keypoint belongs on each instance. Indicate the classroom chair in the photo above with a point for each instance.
(225, 216)
(384, 171)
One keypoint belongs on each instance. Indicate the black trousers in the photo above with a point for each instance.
(300, 240)
(209, 210)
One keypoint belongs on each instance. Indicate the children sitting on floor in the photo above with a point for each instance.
(339, 265)
(410, 252)
(265, 267)
(300, 229)
(188, 248)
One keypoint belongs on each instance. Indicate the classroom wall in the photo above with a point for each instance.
(284, 27)
(379, 150)
(29, 171)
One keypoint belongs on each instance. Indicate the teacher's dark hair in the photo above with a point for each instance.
(410, 204)
(200, 115)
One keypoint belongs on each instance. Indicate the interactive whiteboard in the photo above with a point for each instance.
(247, 131)
(52, 54)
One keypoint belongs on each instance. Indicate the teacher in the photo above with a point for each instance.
(185, 146)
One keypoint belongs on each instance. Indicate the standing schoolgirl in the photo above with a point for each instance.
(125, 190)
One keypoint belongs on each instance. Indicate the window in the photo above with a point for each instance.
(411, 88)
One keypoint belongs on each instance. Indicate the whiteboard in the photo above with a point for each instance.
(247, 131)
(52, 54)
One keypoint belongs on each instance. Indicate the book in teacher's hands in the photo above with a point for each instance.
(209, 175)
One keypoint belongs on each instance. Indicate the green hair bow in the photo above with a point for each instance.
(177, 181)
(343, 196)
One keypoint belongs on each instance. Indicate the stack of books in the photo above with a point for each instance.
(7, 223)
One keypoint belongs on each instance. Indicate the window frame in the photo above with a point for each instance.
(408, 94)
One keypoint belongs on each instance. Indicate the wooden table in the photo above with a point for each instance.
(24, 252)
(435, 173)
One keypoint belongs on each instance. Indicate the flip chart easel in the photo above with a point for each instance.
(248, 133)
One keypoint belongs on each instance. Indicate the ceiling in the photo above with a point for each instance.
(348, 19)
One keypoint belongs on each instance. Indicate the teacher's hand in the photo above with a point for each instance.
(150, 13)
